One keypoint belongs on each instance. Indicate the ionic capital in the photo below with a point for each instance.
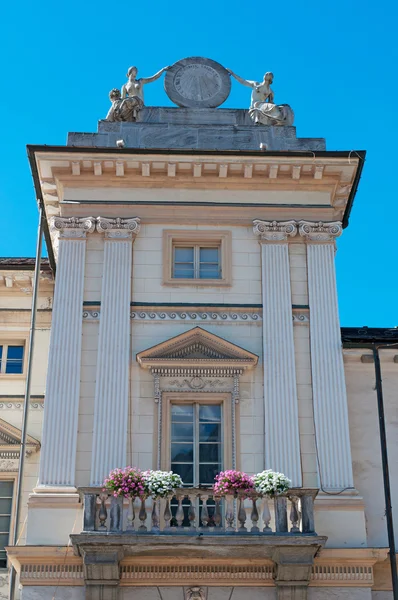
(274, 231)
(320, 231)
(118, 229)
(72, 227)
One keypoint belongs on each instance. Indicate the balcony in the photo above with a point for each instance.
(197, 537)
(291, 513)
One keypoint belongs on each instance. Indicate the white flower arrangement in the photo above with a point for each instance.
(270, 483)
(160, 484)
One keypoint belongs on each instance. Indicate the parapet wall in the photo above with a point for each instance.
(197, 129)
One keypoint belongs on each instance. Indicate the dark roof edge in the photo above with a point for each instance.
(361, 154)
(39, 196)
(366, 336)
(111, 150)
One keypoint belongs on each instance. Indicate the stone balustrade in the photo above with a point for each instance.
(200, 511)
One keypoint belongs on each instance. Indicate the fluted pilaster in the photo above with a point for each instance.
(282, 445)
(112, 380)
(58, 454)
(328, 380)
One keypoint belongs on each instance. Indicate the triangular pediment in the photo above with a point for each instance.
(10, 439)
(197, 347)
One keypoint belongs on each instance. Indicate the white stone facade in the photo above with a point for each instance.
(293, 399)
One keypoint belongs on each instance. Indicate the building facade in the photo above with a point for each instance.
(195, 328)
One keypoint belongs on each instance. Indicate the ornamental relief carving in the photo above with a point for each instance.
(194, 384)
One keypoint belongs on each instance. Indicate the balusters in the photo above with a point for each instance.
(205, 511)
(192, 511)
(180, 511)
(155, 516)
(294, 514)
(142, 515)
(307, 508)
(266, 516)
(167, 514)
(89, 512)
(254, 516)
(116, 514)
(280, 514)
(103, 513)
(242, 516)
(217, 512)
(229, 513)
(130, 515)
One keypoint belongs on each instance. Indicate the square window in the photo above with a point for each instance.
(197, 258)
(11, 359)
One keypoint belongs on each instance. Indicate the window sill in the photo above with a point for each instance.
(197, 282)
(17, 376)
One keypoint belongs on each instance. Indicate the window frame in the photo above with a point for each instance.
(10, 476)
(9, 341)
(197, 238)
(223, 399)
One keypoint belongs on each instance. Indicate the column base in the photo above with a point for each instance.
(53, 514)
(341, 517)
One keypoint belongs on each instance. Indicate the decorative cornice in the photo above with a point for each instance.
(72, 227)
(155, 316)
(161, 315)
(320, 231)
(119, 228)
(274, 231)
(19, 405)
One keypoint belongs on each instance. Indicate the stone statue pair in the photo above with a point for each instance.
(127, 103)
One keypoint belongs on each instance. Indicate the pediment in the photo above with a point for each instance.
(195, 348)
(10, 440)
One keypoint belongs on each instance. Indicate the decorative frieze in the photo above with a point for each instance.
(161, 315)
(198, 384)
(335, 574)
(323, 573)
(274, 231)
(298, 317)
(166, 574)
(19, 406)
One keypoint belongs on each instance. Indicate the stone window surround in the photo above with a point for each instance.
(222, 398)
(17, 338)
(10, 476)
(221, 238)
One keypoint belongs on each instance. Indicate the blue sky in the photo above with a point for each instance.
(334, 63)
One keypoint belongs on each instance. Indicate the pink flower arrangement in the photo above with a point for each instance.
(128, 482)
(230, 482)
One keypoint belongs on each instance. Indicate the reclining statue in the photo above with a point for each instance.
(262, 108)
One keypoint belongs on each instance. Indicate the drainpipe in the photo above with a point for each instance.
(14, 537)
(386, 475)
